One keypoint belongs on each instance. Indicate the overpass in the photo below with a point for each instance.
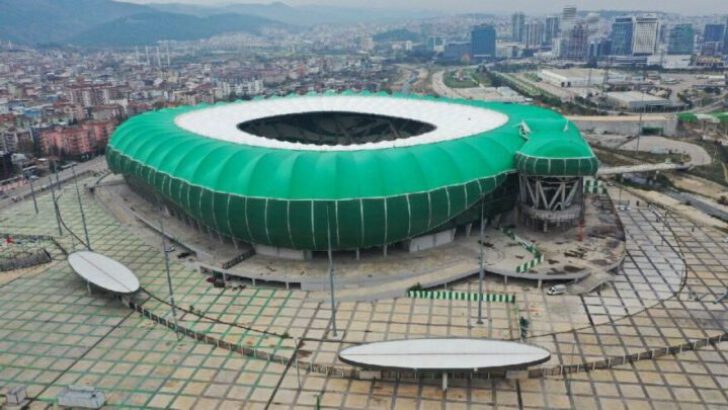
(627, 169)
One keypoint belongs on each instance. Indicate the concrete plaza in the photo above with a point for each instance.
(52, 333)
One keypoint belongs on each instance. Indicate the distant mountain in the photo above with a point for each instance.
(47, 21)
(148, 28)
(304, 15)
(111, 23)
(396, 35)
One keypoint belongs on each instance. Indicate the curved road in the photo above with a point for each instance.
(698, 155)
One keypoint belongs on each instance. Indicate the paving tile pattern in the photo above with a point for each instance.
(52, 333)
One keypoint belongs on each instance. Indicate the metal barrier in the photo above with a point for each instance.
(241, 349)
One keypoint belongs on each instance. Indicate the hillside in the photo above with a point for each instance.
(148, 28)
(112, 23)
(303, 15)
(47, 21)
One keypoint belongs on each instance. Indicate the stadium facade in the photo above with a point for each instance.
(351, 171)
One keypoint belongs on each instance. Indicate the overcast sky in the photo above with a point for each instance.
(692, 7)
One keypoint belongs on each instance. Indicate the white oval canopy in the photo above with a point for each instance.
(444, 354)
(103, 272)
(451, 121)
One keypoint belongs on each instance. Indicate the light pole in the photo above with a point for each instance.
(32, 193)
(481, 272)
(639, 127)
(331, 271)
(80, 207)
(166, 267)
(55, 201)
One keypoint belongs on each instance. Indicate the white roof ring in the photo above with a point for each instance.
(444, 354)
(103, 272)
(451, 121)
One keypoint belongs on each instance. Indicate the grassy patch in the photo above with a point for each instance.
(715, 171)
(618, 157)
(465, 81)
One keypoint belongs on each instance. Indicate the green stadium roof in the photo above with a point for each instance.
(206, 176)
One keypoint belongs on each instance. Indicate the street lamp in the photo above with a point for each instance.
(331, 271)
(166, 267)
(481, 272)
(80, 206)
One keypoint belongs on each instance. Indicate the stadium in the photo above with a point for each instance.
(353, 171)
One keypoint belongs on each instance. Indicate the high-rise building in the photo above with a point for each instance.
(534, 37)
(681, 39)
(436, 44)
(622, 32)
(599, 48)
(551, 29)
(568, 18)
(575, 45)
(644, 38)
(518, 23)
(714, 33)
(714, 36)
(482, 42)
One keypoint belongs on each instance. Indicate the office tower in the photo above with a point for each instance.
(534, 36)
(644, 38)
(551, 29)
(568, 18)
(713, 39)
(575, 45)
(681, 39)
(482, 42)
(622, 32)
(436, 44)
(599, 48)
(518, 23)
(714, 33)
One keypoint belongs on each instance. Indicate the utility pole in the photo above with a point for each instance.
(331, 272)
(639, 127)
(55, 201)
(32, 193)
(481, 272)
(166, 267)
(80, 207)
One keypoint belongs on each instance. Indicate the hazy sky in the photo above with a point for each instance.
(692, 7)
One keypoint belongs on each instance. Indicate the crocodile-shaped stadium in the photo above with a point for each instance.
(349, 170)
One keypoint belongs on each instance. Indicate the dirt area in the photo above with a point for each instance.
(673, 205)
(699, 186)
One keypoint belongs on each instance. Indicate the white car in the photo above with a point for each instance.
(556, 290)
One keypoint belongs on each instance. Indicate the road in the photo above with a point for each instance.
(439, 87)
(97, 164)
(697, 154)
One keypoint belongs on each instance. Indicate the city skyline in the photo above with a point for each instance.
(697, 8)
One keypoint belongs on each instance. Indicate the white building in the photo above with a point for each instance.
(670, 61)
(644, 38)
(579, 77)
(636, 101)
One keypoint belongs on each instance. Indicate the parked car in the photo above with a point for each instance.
(556, 290)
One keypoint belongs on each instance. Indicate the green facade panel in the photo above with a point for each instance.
(296, 199)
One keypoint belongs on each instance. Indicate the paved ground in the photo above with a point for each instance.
(52, 333)
(697, 154)
(376, 276)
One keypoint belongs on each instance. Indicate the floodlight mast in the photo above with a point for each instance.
(481, 272)
(331, 272)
